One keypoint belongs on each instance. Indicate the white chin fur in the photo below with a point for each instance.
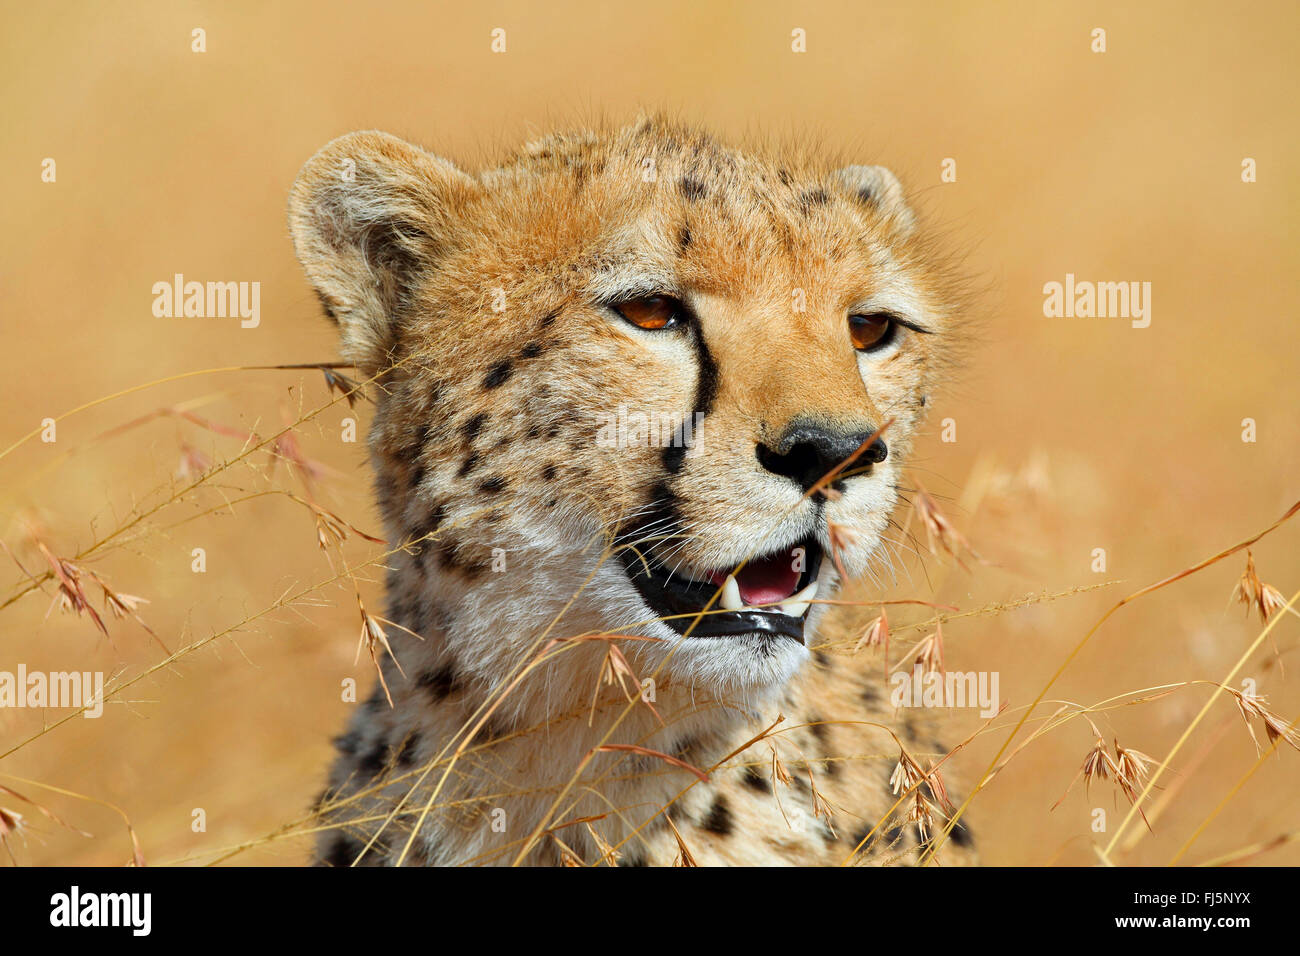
(744, 667)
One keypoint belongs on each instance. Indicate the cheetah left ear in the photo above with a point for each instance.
(370, 215)
(877, 187)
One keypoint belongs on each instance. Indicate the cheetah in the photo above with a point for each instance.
(627, 384)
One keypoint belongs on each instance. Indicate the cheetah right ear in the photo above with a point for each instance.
(369, 215)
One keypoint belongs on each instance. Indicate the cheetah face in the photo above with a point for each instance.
(676, 380)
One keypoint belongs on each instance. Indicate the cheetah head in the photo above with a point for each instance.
(615, 377)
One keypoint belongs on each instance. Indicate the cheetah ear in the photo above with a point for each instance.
(369, 215)
(877, 187)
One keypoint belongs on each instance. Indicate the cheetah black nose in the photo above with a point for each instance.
(807, 452)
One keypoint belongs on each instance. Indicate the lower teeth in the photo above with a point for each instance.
(795, 605)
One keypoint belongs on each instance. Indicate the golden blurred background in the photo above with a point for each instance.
(1071, 434)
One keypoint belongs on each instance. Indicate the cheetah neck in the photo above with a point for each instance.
(511, 750)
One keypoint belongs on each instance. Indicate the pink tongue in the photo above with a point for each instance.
(765, 581)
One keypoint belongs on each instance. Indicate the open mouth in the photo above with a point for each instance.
(771, 593)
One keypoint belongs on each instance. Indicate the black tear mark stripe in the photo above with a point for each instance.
(706, 387)
(706, 394)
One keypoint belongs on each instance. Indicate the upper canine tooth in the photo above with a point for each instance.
(731, 594)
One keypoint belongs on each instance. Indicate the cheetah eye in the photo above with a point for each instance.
(872, 332)
(652, 312)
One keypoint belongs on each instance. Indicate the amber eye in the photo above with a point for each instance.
(871, 332)
(651, 312)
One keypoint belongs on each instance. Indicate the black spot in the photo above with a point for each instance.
(531, 350)
(693, 189)
(719, 819)
(534, 432)
(341, 851)
(910, 729)
(327, 306)
(871, 693)
(961, 835)
(755, 780)
(454, 559)
(812, 199)
(549, 472)
(428, 525)
(784, 176)
(684, 749)
(406, 750)
(862, 838)
(684, 237)
(823, 659)
(493, 485)
(819, 730)
(472, 427)
(549, 319)
(498, 374)
(372, 761)
(439, 682)
(417, 476)
(467, 465)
